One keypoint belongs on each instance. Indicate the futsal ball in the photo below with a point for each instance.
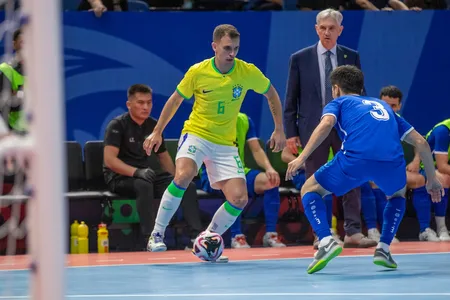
(208, 246)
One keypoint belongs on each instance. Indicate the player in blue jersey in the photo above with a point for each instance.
(371, 151)
(439, 139)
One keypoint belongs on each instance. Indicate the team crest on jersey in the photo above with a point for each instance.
(237, 91)
(192, 149)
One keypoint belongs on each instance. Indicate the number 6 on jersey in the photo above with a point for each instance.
(221, 108)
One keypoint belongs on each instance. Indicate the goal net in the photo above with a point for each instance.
(32, 170)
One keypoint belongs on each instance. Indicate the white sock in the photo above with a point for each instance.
(383, 246)
(170, 202)
(325, 241)
(224, 218)
(440, 224)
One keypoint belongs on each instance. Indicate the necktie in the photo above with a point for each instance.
(328, 69)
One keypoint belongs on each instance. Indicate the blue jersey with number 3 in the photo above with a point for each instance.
(368, 127)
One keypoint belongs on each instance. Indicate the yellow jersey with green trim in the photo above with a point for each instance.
(218, 98)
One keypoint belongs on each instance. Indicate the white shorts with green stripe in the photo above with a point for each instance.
(222, 162)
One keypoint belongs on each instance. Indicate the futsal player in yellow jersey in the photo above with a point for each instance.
(219, 85)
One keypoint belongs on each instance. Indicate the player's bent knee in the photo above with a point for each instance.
(238, 198)
(262, 183)
(185, 171)
(235, 191)
(414, 180)
(312, 186)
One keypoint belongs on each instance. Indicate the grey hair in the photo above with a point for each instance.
(330, 13)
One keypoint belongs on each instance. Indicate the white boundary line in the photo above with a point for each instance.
(240, 295)
(231, 261)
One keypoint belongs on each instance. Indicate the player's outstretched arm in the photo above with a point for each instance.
(317, 137)
(154, 140)
(278, 138)
(434, 187)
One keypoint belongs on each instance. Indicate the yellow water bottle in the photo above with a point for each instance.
(83, 240)
(74, 237)
(334, 223)
(102, 239)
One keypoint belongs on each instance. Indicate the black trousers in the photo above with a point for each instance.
(145, 193)
(351, 201)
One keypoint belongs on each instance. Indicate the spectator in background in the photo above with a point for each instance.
(130, 172)
(308, 91)
(377, 4)
(320, 4)
(393, 96)
(100, 6)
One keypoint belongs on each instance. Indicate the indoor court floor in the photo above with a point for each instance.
(259, 273)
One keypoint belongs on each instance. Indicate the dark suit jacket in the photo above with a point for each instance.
(303, 102)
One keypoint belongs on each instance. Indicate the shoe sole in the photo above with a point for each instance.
(383, 263)
(159, 249)
(323, 262)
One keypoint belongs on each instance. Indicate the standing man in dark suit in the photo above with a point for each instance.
(308, 91)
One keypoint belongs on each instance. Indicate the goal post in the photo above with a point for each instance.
(46, 214)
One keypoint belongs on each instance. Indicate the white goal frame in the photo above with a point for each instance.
(46, 213)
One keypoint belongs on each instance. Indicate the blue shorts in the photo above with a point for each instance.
(250, 178)
(345, 173)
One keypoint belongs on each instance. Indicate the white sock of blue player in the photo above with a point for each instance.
(170, 202)
(316, 212)
(393, 215)
(224, 217)
(440, 211)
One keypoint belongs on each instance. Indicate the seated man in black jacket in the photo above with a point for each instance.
(130, 172)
